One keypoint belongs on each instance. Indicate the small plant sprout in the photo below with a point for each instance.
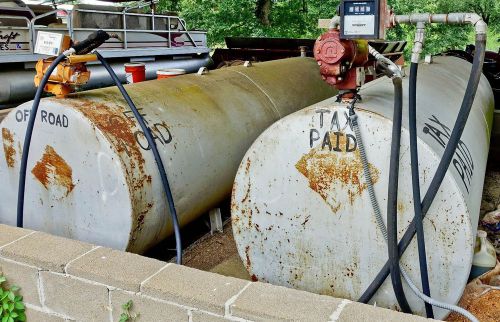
(126, 316)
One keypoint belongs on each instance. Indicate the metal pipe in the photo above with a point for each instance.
(449, 18)
(335, 22)
(418, 42)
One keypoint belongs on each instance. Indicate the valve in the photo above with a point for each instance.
(342, 62)
(73, 71)
(69, 74)
(342, 52)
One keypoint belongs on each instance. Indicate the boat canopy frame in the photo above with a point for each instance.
(195, 40)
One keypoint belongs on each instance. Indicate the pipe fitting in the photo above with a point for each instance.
(418, 43)
(334, 23)
(451, 18)
(69, 52)
(392, 68)
(478, 22)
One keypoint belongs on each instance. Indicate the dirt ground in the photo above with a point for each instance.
(484, 302)
(480, 299)
(217, 254)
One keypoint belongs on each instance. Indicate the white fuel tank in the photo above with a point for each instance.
(301, 212)
(92, 177)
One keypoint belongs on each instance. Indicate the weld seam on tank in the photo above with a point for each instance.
(275, 107)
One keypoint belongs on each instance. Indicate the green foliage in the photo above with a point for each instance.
(11, 304)
(126, 316)
(299, 18)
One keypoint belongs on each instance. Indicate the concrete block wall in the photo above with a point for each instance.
(67, 280)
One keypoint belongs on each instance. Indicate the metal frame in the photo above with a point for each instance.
(118, 52)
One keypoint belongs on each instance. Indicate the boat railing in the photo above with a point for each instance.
(168, 33)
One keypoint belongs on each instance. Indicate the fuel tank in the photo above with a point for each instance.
(301, 212)
(91, 174)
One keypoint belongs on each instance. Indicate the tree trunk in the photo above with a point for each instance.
(263, 10)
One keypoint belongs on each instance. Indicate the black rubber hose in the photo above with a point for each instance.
(450, 149)
(27, 139)
(154, 148)
(415, 179)
(392, 197)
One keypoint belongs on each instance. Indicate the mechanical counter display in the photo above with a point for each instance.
(301, 213)
(92, 177)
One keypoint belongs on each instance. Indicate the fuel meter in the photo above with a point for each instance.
(362, 19)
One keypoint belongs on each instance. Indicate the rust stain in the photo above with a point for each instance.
(8, 147)
(401, 208)
(247, 254)
(108, 116)
(140, 219)
(111, 121)
(331, 173)
(247, 166)
(52, 170)
(306, 220)
(249, 186)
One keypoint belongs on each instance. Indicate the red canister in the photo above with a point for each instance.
(135, 72)
(169, 73)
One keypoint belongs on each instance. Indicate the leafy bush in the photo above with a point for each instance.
(299, 18)
(12, 306)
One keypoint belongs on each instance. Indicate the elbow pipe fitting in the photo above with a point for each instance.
(334, 23)
(393, 69)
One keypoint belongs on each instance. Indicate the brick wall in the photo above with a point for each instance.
(67, 280)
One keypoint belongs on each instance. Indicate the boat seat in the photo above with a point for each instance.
(96, 20)
(110, 21)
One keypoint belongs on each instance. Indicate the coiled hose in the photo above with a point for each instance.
(451, 147)
(380, 223)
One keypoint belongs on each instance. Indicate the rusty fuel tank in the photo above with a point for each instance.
(92, 176)
(301, 212)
